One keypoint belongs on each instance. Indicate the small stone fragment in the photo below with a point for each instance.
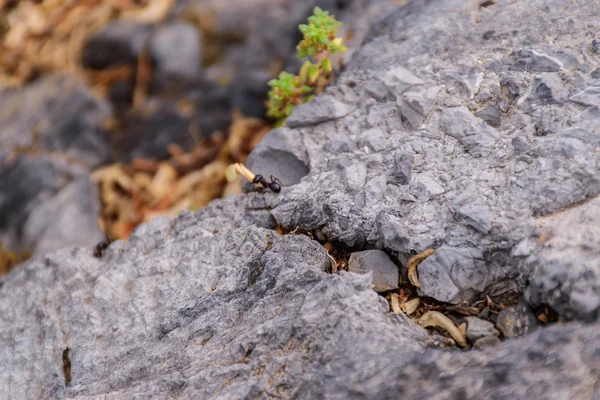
(491, 115)
(377, 90)
(454, 274)
(486, 342)
(517, 321)
(588, 97)
(177, 53)
(385, 272)
(401, 77)
(427, 186)
(416, 103)
(318, 110)
(528, 60)
(546, 88)
(391, 232)
(478, 328)
(477, 137)
(120, 42)
(476, 216)
(402, 169)
(372, 138)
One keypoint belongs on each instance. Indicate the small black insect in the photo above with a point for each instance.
(99, 248)
(274, 185)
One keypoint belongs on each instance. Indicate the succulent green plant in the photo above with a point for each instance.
(320, 35)
(318, 43)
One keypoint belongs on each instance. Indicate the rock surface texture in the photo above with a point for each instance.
(483, 143)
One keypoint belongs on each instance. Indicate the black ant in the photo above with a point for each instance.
(99, 248)
(274, 185)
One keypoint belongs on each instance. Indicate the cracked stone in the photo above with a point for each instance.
(478, 328)
(453, 274)
(529, 60)
(546, 89)
(471, 132)
(415, 104)
(320, 109)
(384, 272)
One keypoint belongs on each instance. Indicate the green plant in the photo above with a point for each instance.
(319, 42)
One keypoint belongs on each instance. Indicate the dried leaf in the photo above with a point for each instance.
(414, 262)
(462, 328)
(163, 181)
(395, 303)
(411, 306)
(435, 318)
(154, 12)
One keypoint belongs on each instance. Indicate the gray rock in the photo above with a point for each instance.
(402, 170)
(596, 46)
(592, 113)
(529, 60)
(486, 341)
(211, 295)
(401, 78)
(24, 181)
(248, 91)
(427, 186)
(149, 131)
(393, 235)
(569, 253)
(36, 198)
(491, 115)
(517, 321)
(281, 156)
(477, 137)
(56, 114)
(119, 42)
(415, 104)
(320, 109)
(69, 217)
(453, 274)
(377, 89)
(476, 216)
(372, 138)
(546, 89)
(588, 97)
(340, 144)
(176, 50)
(384, 272)
(478, 329)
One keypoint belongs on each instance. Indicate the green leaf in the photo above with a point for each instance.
(313, 73)
(326, 65)
(304, 71)
(288, 109)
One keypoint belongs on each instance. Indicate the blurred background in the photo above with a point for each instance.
(114, 112)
